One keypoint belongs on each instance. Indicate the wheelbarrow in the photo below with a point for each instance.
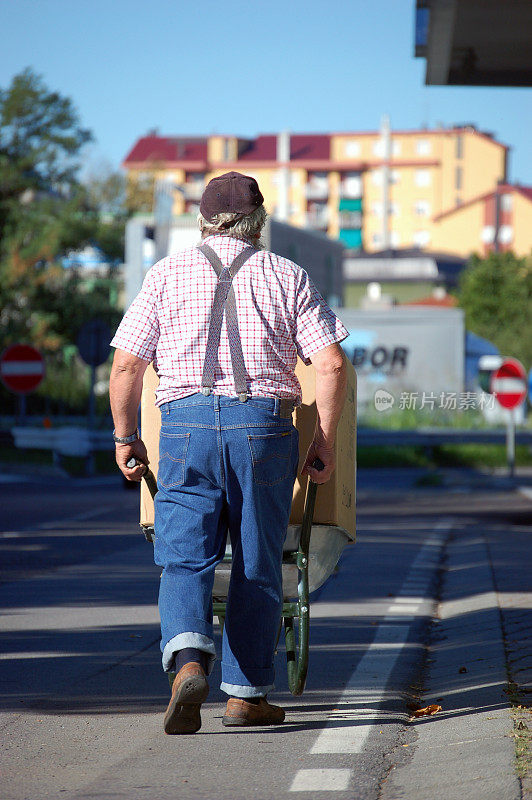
(310, 555)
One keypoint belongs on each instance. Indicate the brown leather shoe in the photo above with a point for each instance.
(240, 712)
(189, 690)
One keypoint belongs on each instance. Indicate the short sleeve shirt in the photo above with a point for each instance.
(281, 316)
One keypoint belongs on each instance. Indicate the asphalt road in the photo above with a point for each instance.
(83, 693)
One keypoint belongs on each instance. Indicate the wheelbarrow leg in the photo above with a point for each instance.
(297, 662)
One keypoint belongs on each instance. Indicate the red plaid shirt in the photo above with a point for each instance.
(280, 315)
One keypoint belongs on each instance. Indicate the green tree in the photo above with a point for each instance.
(45, 212)
(496, 295)
(106, 195)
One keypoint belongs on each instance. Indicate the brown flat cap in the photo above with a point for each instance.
(231, 193)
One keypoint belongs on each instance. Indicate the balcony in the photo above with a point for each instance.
(318, 221)
(350, 220)
(317, 191)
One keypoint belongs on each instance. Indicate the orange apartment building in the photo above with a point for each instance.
(438, 181)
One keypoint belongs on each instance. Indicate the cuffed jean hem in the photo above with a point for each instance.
(234, 675)
(197, 640)
(235, 690)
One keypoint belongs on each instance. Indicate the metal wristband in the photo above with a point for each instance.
(126, 439)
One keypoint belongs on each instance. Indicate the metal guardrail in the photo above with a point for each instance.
(78, 441)
(67, 441)
(431, 437)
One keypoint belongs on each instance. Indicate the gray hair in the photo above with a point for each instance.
(247, 228)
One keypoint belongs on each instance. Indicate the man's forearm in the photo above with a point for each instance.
(125, 389)
(330, 397)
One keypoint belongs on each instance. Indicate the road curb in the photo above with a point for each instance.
(466, 750)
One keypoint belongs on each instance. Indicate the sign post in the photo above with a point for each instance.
(508, 385)
(93, 345)
(21, 371)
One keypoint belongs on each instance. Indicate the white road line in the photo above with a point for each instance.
(526, 490)
(377, 662)
(58, 523)
(82, 517)
(321, 780)
(37, 654)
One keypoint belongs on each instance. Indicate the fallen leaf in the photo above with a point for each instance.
(428, 711)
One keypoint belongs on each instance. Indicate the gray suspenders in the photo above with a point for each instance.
(224, 300)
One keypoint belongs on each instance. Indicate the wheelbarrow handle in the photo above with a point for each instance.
(148, 475)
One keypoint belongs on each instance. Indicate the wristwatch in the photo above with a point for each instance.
(126, 439)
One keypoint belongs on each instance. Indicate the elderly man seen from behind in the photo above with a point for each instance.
(223, 324)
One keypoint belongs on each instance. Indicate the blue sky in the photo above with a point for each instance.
(244, 68)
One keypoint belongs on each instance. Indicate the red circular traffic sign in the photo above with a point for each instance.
(21, 368)
(508, 383)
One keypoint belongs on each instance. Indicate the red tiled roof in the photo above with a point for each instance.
(423, 132)
(303, 147)
(167, 148)
(526, 191)
(505, 188)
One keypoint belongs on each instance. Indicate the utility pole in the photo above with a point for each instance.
(283, 158)
(386, 144)
(497, 220)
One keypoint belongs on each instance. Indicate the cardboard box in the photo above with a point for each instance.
(336, 499)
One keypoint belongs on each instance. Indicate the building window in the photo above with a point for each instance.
(459, 149)
(421, 238)
(506, 202)
(378, 148)
(394, 209)
(487, 234)
(423, 147)
(422, 208)
(376, 239)
(318, 186)
(458, 200)
(352, 149)
(422, 177)
(145, 180)
(351, 185)
(225, 150)
(395, 239)
(376, 209)
(377, 176)
(506, 234)
(458, 178)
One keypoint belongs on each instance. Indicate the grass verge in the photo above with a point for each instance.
(104, 461)
(452, 455)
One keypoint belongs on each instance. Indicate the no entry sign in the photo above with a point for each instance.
(508, 383)
(21, 368)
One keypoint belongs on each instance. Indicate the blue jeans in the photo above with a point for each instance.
(224, 466)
